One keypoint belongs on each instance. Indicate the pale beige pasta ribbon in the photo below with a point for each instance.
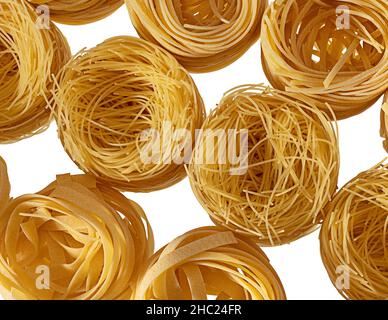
(384, 121)
(76, 239)
(209, 262)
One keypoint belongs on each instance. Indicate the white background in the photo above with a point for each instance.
(33, 163)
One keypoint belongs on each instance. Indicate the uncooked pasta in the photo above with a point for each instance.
(335, 52)
(203, 35)
(29, 55)
(384, 121)
(127, 112)
(208, 263)
(265, 164)
(77, 12)
(354, 236)
(74, 240)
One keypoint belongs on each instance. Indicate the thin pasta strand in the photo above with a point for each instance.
(28, 58)
(354, 236)
(285, 177)
(384, 121)
(308, 48)
(203, 35)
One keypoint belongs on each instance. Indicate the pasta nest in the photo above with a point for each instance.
(335, 52)
(122, 100)
(80, 11)
(203, 35)
(209, 262)
(354, 236)
(276, 187)
(384, 121)
(87, 239)
(28, 58)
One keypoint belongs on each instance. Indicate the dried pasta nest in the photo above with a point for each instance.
(354, 236)
(76, 239)
(78, 12)
(203, 35)
(28, 58)
(335, 52)
(384, 121)
(208, 263)
(273, 164)
(126, 112)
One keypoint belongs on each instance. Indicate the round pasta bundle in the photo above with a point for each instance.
(123, 109)
(28, 58)
(203, 35)
(354, 236)
(274, 164)
(335, 52)
(76, 239)
(209, 262)
(384, 121)
(78, 12)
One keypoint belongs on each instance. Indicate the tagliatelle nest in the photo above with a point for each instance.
(354, 236)
(335, 52)
(203, 35)
(78, 12)
(209, 262)
(76, 239)
(123, 109)
(273, 168)
(29, 56)
(384, 121)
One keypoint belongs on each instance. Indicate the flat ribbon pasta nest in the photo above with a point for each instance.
(274, 188)
(203, 35)
(121, 109)
(76, 239)
(335, 52)
(384, 121)
(78, 12)
(28, 58)
(354, 236)
(209, 262)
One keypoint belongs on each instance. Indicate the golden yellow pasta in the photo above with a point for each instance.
(119, 109)
(335, 52)
(273, 167)
(28, 58)
(203, 35)
(354, 236)
(4, 185)
(209, 262)
(384, 121)
(76, 239)
(80, 11)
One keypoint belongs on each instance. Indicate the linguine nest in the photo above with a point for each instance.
(354, 236)
(80, 11)
(208, 263)
(28, 58)
(384, 121)
(89, 238)
(335, 52)
(289, 172)
(110, 102)
(203, 35)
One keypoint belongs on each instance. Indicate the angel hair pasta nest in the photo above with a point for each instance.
(76, 239)
(77, 12)
(126, 112)
(29, 55)
(209, 262)
(384, 121)
(354, 236)
(203, 35)
(274, 164)
(335, 52)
